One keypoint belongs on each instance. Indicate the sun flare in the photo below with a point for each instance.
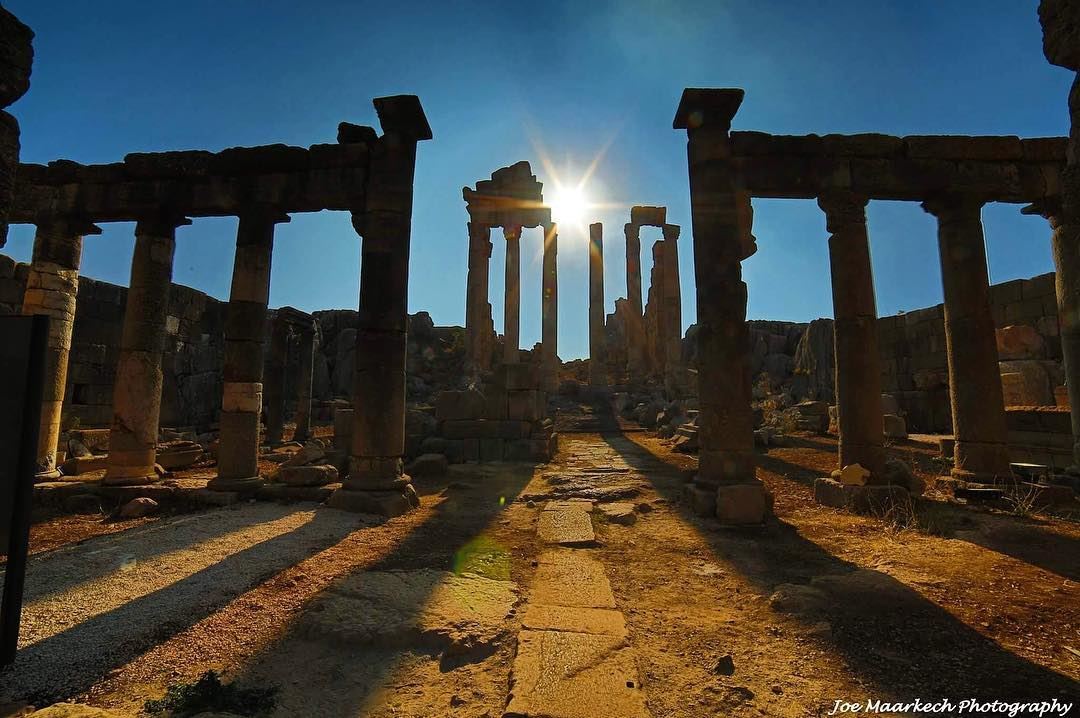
(569, 205)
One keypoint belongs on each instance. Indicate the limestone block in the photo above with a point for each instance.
(1025, 383)
(524, 405)
(742, 504)
(852, 475)
(893, 426)
(242, 397)
(428, 465)
(566, 527)
(889, 404)
(491, 450)
(317, 475)
(1019, 341)
(463, 428)
(520, 376)
(457, 405)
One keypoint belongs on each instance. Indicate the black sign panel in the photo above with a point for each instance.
(22, 371)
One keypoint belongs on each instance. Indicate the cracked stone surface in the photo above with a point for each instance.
(567, 527)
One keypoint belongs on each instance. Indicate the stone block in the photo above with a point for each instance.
(471, 449)
(894, 426)
(428, 465)
(463, 429)
(491, 450)
(1019, 341)
(457, 405)
(701, 500)
(454, 451)
(77, 465)
(316, 475)
(518, 450)
(742, 504)
(510, 429)
(566, 527)
(876, 500)
(379, 503)
(519, 376)
(524, 405)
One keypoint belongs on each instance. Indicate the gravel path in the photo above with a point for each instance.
(92, 607)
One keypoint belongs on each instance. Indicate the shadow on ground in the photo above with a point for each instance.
(890, 635)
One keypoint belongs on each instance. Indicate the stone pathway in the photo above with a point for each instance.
(573, 658)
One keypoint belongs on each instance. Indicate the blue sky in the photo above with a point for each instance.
(502, 82)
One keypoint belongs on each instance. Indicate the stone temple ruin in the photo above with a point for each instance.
(160, 392)
(502, 411)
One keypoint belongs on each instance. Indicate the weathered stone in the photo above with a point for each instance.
(566, 674)
(1019, 342)
(568, 527)
(852, 475)
(742, 504)
(578, 619)
(428, 465)
(317, 475)
(138, 507)
(619, 513)
(894, 427)
(457, 405)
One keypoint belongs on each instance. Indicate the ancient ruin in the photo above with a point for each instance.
(234, 504)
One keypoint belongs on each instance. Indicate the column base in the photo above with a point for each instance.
(241, 485)
(379, 503)
(130, 480)
(979, 477)
(731, 504)
(876, 500)
(49, 475)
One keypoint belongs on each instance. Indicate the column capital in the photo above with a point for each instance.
(70, 226)
(1049, 208)
(701, 108)
(951, 205)
(162, 223)
(512, 232)
(842, 208)
(671, 232)
(479, 229)
(265, 213)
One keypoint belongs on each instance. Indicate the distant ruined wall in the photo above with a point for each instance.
(194, 353)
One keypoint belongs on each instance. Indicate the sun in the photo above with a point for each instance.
(569, 205)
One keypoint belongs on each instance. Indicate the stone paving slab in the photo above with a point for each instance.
(566, 527)
(569, 578)
(559, 674)
(570, 504)
(576, 619)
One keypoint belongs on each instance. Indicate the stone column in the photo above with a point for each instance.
(303, 384)
(722, 217)
(635, 327)
(512, 296)
(1060, 21)
(245, 327)
(858, 369)
(672, 305)
(981, 451)
(654, 314)
(376, 482)
(133, 435)
(550, 307)
(597, 338)
(476, 298)
(274, 383)
(16, 58)
(51, 286)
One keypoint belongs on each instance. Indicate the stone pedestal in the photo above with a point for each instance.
(550, 309)
(722, 219)
(978, 409)
(671, 305)
(303, 385)
(274, 383)
(137, 391)
(858, 371)
(635, 326)
(51, 285)
(477, 341)
(597, 336)
(512, 296)
(245, 326)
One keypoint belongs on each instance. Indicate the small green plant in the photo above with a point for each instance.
(209, 694)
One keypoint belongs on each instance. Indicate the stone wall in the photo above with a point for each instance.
(194, 353)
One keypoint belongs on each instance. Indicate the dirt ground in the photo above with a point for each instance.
(814, 607)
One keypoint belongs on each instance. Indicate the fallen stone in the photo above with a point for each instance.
(138, 507)
(309, 454)
(317, 475)
(572, 675)
(567, 527)
(853, 475)
(78, 465)
(172, 459)
(725, 665)
(619, 513)
(898, 473)
(78, 449)
(893, 426)
(428, 465)
(798, 599)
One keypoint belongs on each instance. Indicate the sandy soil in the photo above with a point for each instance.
(966, 602)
